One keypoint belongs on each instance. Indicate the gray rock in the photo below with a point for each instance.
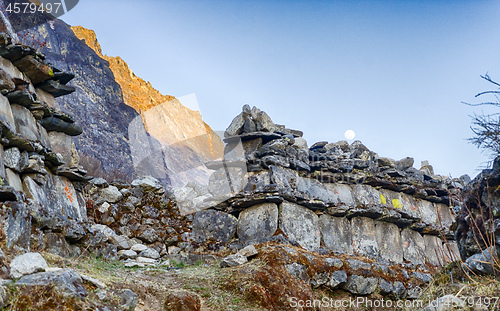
(400, 291)
(336, 233)
(173, 250)
(6, 113)
(236, 126)
(355, 264)
(128, 299)
(93, 281)
(360, 285)
(66, 281)
(147, 261)
(389, 241)
(257, 222)
(366, 195)
(413, 246)
(320, 278)
(337, 279)
(405, 163)
(104, 207)
(248, 251)
(446, 303)
(214, 224)
(16, 224)
(138, 247)
(57, 196)
(227, 181)
(298, 271)
(99, 182)
(434, 251)
(4, 296)
(56, 244)
(73, 231)
(15, 160)
(127, 254)
(14, 180)
(290, 184)
(300, 224)
(147, 183)
(36, 165)
(483, 263)
(364, 237)
(386, 287)
(110, 194)
(26, 125)
(28, 263)
(147, 235)
(424, 277)
(300, 143)
(263, 122)
(184, 194)
(105, 230)
(121, 241)
(386, 162)
(334, 262)
(150, 253)
(233, 260)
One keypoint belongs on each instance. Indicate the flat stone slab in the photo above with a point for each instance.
(300, 224)
(389, 241)
(364, 237)
(413, 246)
(214, 224)
(26, 264)
(257, 222)
(336, 233)
(67, 281)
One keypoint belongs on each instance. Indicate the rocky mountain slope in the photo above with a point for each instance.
(130, 129)
(178, 128)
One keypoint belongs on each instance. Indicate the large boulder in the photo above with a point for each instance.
(57, 196)
(28, 263)
(336, 233)
(16, 224)
(211, 224)
(257, 222)
(484, 262)
(413, 246)
(66, 281)
(364, 237)
(300, 224)
(389, 241)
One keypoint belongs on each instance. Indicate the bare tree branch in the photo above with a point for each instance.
(486, 128)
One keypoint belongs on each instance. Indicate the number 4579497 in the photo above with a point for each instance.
(31, 8)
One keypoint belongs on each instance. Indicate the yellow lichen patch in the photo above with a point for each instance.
(397, 204)
(382, 199)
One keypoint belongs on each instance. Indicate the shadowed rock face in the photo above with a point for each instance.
(112, 104)
(181, 131)
(97, 103)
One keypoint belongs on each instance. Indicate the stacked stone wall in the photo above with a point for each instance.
(40, 173)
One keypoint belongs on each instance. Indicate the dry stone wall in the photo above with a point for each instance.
(334, 197)
(40, 173)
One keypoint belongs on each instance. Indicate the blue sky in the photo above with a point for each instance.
(395, 72)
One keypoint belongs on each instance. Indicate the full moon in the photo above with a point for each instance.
(349, 134)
